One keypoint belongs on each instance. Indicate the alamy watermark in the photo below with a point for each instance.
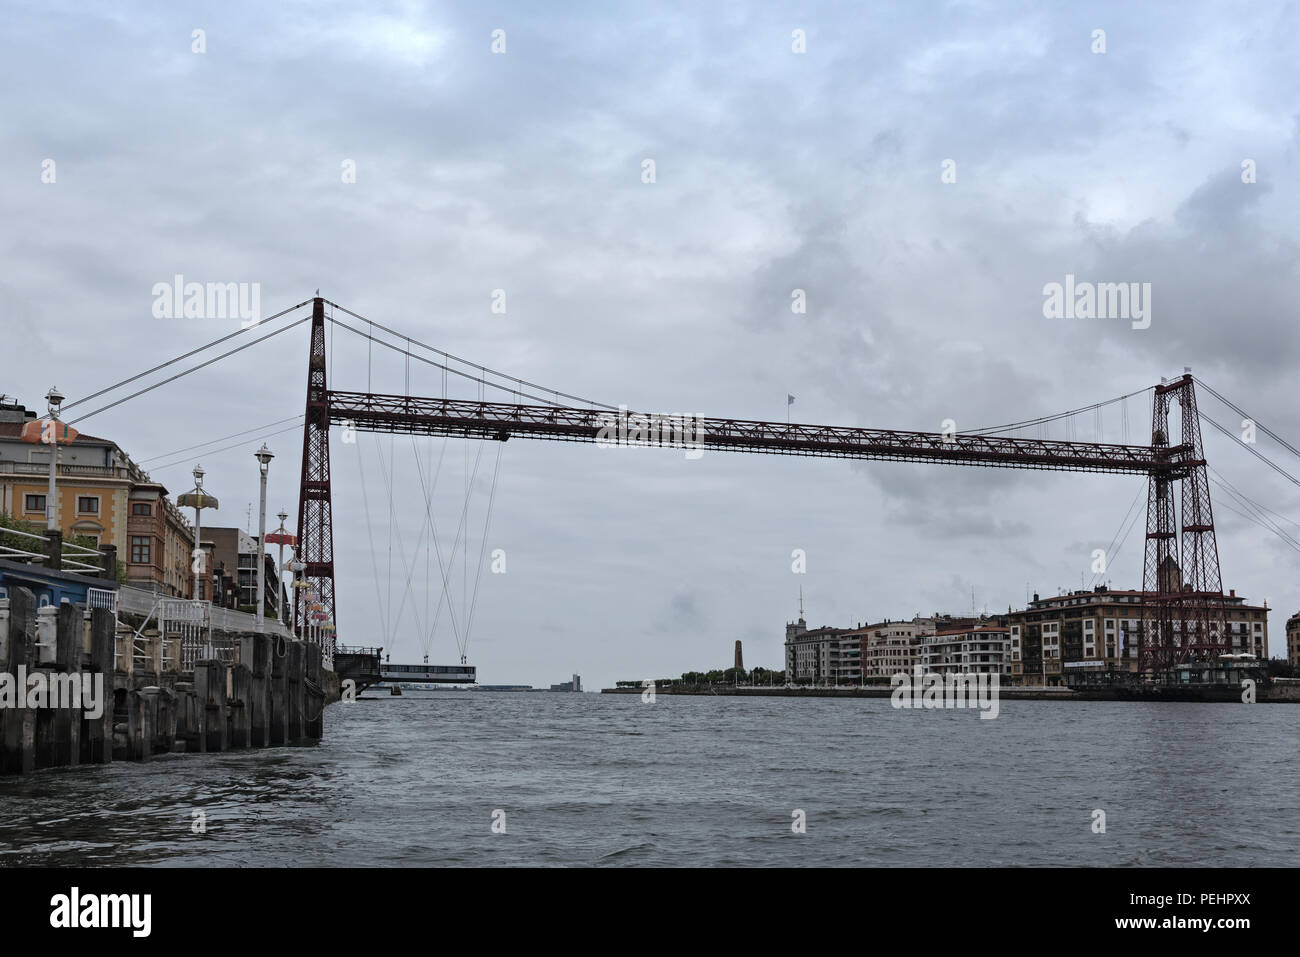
(129, 911)
(931, 690)
(1102, 300)
(179, 299)
(669, 431)
(46, 689)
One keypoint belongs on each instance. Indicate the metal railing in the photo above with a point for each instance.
(69, 548)
(197, 623)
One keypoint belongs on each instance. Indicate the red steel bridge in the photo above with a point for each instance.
(1182, 587)
(1182, 598)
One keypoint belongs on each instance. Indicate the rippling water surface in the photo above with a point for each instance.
(588, 779)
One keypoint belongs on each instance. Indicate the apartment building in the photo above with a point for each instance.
(234, 559)
(972, 649)
(1099, 631)
(101, 495)
(822, 655)
(1293, 640)
(891, 646)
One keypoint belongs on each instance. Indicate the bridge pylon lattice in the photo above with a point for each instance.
(1182, 600)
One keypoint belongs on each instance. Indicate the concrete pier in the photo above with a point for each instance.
(267, 690)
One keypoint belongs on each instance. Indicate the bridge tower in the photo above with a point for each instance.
(1182, 601)
(315, 519)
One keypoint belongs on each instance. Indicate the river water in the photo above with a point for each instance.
(608, 780)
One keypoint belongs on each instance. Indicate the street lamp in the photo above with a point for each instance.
(55, 399)
(296, 566)
(199, 500)
(263, 456)
(282, 537)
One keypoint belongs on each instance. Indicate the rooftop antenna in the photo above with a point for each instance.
(801, 601)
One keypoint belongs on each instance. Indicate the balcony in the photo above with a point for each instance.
(43, 468)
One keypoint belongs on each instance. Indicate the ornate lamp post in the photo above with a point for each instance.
(198, 500)
(263, 456)
(282, 537)
(299, 583)
(55, 398)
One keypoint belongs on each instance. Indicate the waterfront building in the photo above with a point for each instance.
(972, 649)
(1293, 640)
(573, 684)
(822, 655)
(102, 496)
(234, 554)
(891, 646)
(1099, 631)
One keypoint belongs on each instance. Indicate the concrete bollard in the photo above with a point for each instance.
(144, 704)
(47, 639)
(172, 654)
(124, 653)
(150, 657)
(162, 710)
(187, 721)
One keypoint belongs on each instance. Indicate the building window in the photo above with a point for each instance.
(34, 503)
(87, 504)
(141, 508)
(140, 549)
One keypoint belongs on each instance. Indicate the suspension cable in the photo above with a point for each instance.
(464, 375)
(1252, 450)
(487, 523)
(189, 448)
(1043, 420)
(180, 375)
(374, 564)
(158, 368)
(466, 362)
(1236, 408)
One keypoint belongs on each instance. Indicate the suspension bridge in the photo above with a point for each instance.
(1182, 592)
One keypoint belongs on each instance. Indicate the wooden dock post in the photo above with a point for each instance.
(240, 688)
(210, 690)
(255, 651)
(18, 747)
(97, 733)
(314, 697)
(280, 691)
(67, 660)
(295, 671)
(187, 718)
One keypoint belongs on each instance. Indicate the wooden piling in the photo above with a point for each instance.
(280, 691)
(210, 690)
(67, 658)
(295, 671)
(18, 748)
(314, 697)
(239, 679)
(97, 733)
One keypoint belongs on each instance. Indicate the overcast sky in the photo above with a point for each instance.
(774, 171)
